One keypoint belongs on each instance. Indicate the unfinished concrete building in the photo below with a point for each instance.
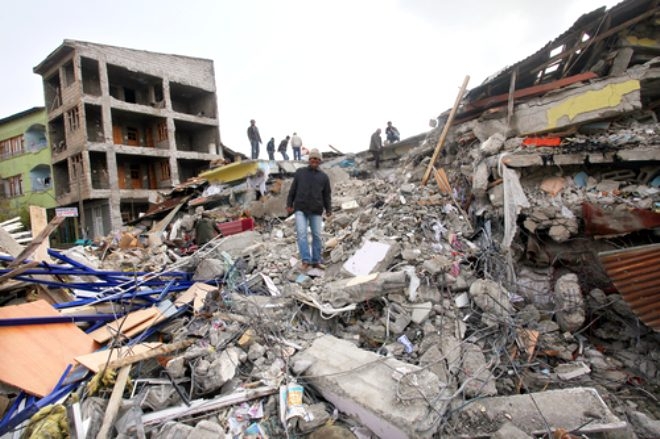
(124, 123)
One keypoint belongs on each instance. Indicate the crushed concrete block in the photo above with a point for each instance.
(370, 393)
(475, 375)
(645, 427)
(206, 430)
(371, 257)
(421, 311)
(176, 367)
(234, 245)
(493, 145)
(317, 415)
(568, 371)
(570, 409)
(363, 288)
(510, 431)
(434, 360)
(208, 269)
(559, 233)
(608, 186)
(174, 430)
(337, 254)
(492, 299)
(398, 318)
(411, 254)
(480, 179)
(569, 311)
(256, 351)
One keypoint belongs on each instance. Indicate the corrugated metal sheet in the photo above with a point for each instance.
(635, 272)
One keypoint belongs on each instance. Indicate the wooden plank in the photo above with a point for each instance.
(98, 360)
(18, 271)
(35, 356)
(443, 181)
(36, 242)
(113, 405)
(512, 90)
(527, 92)
(445, 130)
(39, 222)
(9, 244)
(162, 350)
(126, 323)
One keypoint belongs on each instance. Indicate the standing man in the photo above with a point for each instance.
(392, 133)
(296, 144)
(270, 148)
(255, 139)
(309, 195)
(375, 147)
(282, 148)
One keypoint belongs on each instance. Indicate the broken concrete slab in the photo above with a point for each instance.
(569, 311)
(371, 257)
(492, 299)
(579, 410)
(363, 288)
(510, 431)
(361, 383)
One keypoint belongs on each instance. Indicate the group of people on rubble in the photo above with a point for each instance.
(376, 143)
(255, 140)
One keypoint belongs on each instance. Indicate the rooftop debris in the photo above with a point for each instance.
(501, 298)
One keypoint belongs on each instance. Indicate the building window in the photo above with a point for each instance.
(12, 146)
(162, 131)
(73, 119)
(13, 186)
(76, 166)
(132, 135)
(69, 76)
(165, 171)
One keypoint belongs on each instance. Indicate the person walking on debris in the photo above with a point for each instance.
(255, 139)
(391, 133)
(296, 144)
(309, 195)
(376, 146)
(282, 148)
(270, 148)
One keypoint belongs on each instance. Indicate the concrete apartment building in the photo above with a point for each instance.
(25, 173)
(123, 124)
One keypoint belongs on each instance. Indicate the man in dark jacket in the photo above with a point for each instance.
(255, 139)
(282, 148)
(375, 147)
(309, 195)
(270, 148)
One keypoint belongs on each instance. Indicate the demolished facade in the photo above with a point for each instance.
(513, 295)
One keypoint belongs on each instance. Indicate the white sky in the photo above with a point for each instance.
(332, 70)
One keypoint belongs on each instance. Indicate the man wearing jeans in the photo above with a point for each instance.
(309, 195)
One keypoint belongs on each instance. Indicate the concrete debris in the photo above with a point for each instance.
(495, 277)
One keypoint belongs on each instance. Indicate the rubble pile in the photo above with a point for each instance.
(512, 295)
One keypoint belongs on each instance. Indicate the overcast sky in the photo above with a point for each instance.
(333, 71)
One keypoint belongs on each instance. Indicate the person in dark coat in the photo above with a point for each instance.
(375, 146)
(282, 148)
(392, 133)
(309, 196)
(270, 148)
(255, 139)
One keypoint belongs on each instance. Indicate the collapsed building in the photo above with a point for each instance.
(495, 278)
(108, 109)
